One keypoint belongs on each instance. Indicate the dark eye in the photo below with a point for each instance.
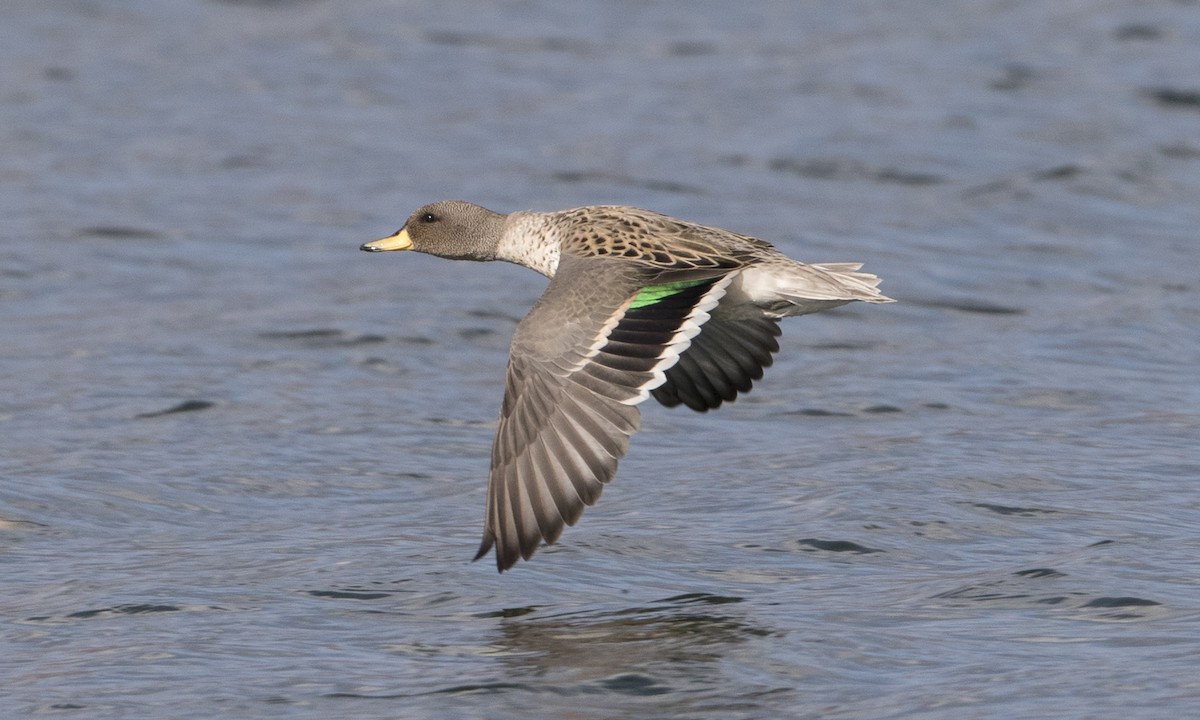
(429, 217)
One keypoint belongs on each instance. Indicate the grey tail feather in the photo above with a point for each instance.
(485, 545)
(862, 286)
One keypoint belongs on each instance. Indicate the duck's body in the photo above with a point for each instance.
(638, 304)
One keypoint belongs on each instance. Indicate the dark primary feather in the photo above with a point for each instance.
(724, 359)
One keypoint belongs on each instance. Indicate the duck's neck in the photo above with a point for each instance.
(529, 240)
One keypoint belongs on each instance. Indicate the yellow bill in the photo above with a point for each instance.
(399, 241)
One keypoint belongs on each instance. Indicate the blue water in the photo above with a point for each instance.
(243, 465)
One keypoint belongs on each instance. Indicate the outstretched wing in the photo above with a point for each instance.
(723, 360)
(588, 352)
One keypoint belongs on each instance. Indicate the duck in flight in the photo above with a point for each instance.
(639, 304)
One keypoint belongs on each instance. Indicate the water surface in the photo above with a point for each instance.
(244, 464)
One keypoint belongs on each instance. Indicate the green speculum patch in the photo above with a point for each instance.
(655, 293)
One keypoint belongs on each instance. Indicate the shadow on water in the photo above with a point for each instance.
(658, 649)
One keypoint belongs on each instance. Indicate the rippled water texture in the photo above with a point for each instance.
(243, 464)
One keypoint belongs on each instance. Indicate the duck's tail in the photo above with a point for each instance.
(857, 285)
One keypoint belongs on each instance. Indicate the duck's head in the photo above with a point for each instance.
(453, 229)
